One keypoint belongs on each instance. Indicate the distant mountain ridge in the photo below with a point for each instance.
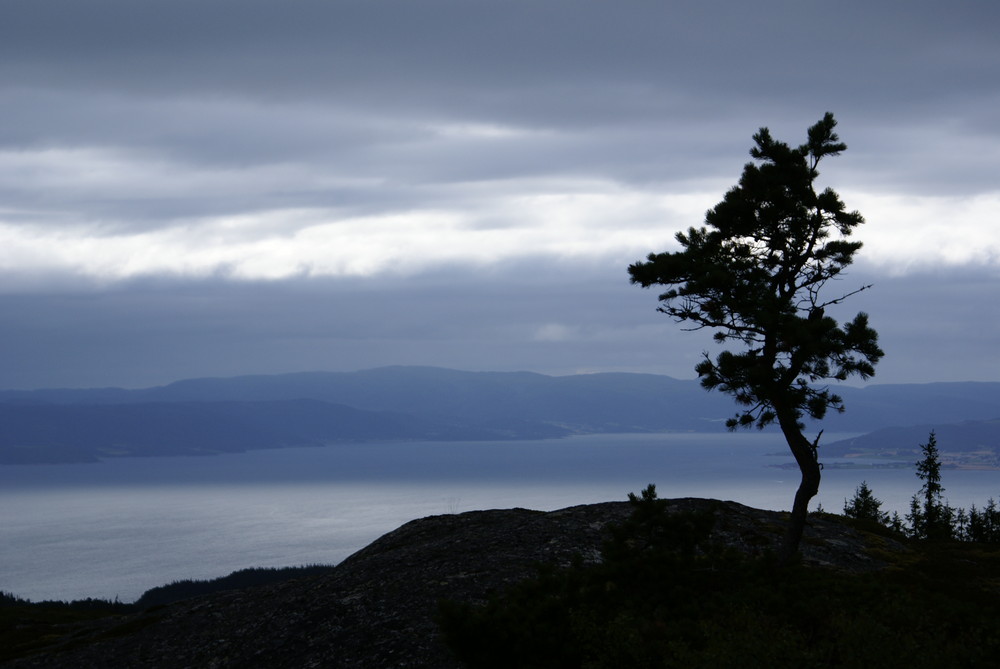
(968, 437)
(414, 403)
(52, 433)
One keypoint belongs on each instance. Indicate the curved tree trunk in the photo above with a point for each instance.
(805, 457)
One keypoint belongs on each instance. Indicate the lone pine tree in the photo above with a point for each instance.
(755, 275)
(933, 518)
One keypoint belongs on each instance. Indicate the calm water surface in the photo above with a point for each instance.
(118, 528)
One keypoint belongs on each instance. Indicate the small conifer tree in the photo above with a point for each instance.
(984, 524)
(930, 516)
(865, 506)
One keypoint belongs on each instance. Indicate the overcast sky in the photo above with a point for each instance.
(210, 188)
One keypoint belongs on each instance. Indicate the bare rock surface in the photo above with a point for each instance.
(377, 608)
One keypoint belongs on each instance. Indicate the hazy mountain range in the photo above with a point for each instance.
(212, 415)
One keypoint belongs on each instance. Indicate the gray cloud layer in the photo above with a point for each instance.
(557, 321)
(172, 176)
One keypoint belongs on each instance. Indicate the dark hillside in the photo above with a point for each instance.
(46, 433)
(380, 606)
(590, 402)
(201, 416)
(877, 406)
(584, 402)
(966, 437)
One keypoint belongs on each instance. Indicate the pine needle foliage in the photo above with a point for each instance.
(756, 275)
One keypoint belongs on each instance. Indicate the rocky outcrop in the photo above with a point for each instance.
(377, 608)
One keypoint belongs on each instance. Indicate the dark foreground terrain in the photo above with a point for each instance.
(381, 607)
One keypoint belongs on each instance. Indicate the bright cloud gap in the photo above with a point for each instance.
(602, 221)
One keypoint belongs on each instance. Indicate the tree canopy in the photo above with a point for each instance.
(755, 275)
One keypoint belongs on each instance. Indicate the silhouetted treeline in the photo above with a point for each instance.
(176, 591)
(90, 604)
(930, 517)
(244, 578)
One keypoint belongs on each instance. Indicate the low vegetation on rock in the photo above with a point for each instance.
(667, 595)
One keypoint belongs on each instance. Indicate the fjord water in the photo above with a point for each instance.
(117, 528)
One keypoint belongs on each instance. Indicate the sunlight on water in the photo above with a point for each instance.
(118, 528)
